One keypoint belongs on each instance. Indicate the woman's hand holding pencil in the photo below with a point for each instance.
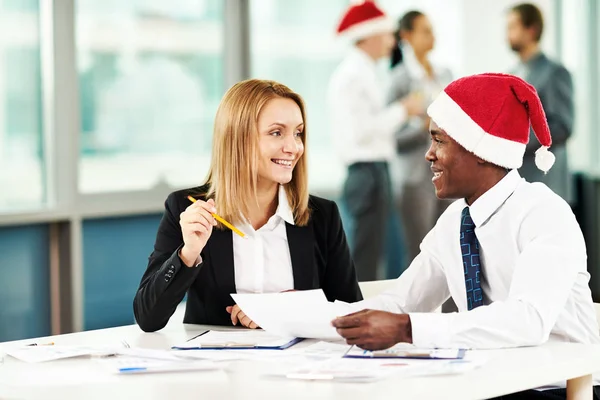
(196, 224)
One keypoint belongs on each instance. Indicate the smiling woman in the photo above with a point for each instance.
(258, 181)
(281, 143)
(258, 124)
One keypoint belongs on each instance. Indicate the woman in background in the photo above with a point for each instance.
(413, 72)
(258, 182)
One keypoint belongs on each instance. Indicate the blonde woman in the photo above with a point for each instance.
(258, 182)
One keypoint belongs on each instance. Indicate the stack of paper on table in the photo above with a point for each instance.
(35, 354)
(297, 355)
(335, 369)
(239, 339)
(361, 370)
(137, 365)
(404, 350)
(303, 314)
(117, 360)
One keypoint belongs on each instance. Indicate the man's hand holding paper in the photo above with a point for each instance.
(374, 330)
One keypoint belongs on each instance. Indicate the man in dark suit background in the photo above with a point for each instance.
(555, 88)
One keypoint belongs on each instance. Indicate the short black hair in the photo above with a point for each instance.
(531, 17)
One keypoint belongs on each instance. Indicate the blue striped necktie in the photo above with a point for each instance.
(469, 246)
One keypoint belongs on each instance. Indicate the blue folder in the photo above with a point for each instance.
(236, 345)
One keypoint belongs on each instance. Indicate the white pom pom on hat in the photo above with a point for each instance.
(544, 159)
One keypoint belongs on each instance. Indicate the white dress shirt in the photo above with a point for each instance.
(363, 125)
(535, 278)
(262, 261)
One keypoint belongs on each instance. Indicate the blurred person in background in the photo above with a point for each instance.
(363, 129)
(412, 72)
(257, 181)
(525, 25)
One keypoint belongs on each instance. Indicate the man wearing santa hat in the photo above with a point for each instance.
(509, 252)
(363, 128)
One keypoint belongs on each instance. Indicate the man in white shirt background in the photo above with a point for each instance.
(509, 252)
(363, 128)
(554, 84)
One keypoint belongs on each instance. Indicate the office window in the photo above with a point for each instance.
(19, 5)
(150, 78)
(21, 150)
(575, 43)
(293, 42)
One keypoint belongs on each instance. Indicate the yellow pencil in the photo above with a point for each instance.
(221, 220)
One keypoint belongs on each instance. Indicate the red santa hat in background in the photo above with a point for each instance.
(362, 20)
(490, 115)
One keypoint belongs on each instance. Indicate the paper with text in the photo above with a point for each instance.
(137, 365)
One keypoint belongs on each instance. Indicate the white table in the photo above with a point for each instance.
(505, 372)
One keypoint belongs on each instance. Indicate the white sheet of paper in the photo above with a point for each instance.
(361, 370)
(335, 369)
(238, 338)
(405, 350)
(326, 349)
(218, 355)
(35, 354)
(167, 355)
(304, 314)
(136, 365)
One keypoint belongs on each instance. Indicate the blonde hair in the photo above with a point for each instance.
(232, 178)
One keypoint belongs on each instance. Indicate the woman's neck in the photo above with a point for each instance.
(424, 61)
(266, 206)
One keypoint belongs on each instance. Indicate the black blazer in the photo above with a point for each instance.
(319, 253)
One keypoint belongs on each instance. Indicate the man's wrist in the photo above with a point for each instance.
(404, 328)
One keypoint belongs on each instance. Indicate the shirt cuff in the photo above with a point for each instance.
(430, 330)
(196, 263)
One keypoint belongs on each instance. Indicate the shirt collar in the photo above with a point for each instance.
(415, 69)
(536, 58)
(489, 202)
(283, 207)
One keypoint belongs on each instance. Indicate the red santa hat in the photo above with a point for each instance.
(490, 114)
(364, 19)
